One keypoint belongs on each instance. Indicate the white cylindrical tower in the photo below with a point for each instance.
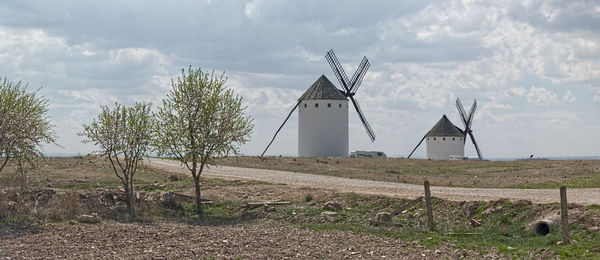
(323, 121)
(445, 139)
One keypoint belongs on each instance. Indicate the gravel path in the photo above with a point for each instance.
(402, 190)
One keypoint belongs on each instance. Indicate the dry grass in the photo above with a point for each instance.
(486, 174)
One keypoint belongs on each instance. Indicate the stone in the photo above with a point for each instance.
(383, 217)
(491, 210)
(332, 205)
(328, 213)
(89, 219)
(475, 222)
(312, 203)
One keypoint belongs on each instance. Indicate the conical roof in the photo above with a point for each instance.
(323, 89)
(444, 128)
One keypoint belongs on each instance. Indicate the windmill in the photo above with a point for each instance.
(445, 139)
(467, 120)
(323, 113)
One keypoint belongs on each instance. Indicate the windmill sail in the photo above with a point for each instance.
(359, 75)
(351, 86)
(363, 119)
(467, 121)
(472, 112)
(476, 146)
(279, 129)
(337, 69)
(461, 112)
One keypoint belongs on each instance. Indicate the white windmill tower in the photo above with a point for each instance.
(323, 113)
(446, 139)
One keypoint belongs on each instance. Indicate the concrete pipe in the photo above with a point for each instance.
(543, 227)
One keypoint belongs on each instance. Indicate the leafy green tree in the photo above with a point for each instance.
(123, 134)
(199, 120)
(24, 125)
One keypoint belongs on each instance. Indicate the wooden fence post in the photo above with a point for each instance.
(429, 209)
(564, 215)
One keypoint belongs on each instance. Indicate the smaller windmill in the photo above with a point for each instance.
(467, 120)
(445, 139)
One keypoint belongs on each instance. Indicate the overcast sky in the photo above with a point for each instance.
(533, 66)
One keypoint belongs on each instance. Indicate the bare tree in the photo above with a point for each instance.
(123, 134)
(199, 120)
(24, 125)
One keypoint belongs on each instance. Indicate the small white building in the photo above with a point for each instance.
(445, 140)
(323, 121)
(368, 154)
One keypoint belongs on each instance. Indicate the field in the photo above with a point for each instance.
(37, 216)
(483, 174)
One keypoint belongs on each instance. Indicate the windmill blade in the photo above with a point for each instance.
(338, 70)
(462, 113)
(359, 74)
(279, 129)
(363, 119)
(416, 147)
(472, 112)
(476, 146)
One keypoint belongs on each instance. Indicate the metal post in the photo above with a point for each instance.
(564, 215)
(429, 210)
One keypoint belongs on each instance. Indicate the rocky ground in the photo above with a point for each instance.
(172, 240)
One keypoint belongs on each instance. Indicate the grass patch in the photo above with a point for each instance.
(503, 225)
(593, 207)
(483, 174)
(587, 181)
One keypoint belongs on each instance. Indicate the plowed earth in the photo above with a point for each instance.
(113, 240)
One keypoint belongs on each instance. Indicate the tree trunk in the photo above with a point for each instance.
(129, 202)
(198, 198)
(4, 163)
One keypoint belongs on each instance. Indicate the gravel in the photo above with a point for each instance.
(401, 190)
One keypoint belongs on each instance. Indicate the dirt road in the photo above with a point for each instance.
(401, 190)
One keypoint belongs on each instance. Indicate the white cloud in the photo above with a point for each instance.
(569, 97)
(541, 96)
(518, 91)
(88, 53)
(303, 54)
(251, 10)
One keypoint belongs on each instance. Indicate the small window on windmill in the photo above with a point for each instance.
(304, 104)
(453, 139)
(328, 104)
(316, 104)
(460, 139)
(340, 105)
(434, 139)
(443, 138)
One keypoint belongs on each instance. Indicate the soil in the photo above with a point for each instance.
(169, 240)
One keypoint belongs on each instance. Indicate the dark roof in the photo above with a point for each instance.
(323, 89)
(444, 128)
